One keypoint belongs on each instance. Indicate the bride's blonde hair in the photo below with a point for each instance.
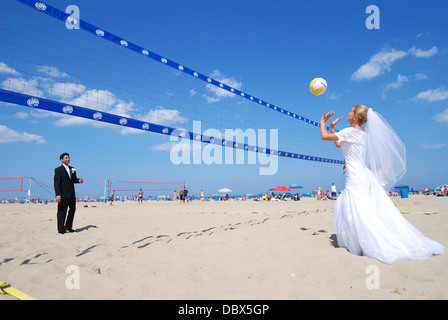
(361, 112)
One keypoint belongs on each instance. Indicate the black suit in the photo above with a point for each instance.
(65, 188)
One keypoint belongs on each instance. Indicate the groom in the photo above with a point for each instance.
(64, 180)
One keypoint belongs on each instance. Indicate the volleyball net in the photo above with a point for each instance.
(54, 61)
(32, 189)
(11, 184)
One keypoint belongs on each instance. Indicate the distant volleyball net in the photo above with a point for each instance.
(11, 184)
(148, 187)
(55, 61)
(11, 188)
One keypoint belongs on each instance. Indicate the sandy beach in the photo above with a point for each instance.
(210, 250)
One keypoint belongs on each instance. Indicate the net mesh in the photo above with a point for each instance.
(41, 58)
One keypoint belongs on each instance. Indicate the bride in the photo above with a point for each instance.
(367, 221)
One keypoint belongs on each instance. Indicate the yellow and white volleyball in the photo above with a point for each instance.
(318, 86)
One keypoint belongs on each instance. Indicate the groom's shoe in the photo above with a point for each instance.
(70, 230)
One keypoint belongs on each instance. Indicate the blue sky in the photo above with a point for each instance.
(271, 50)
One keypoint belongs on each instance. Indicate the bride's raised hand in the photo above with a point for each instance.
(333, 123)
(327, 116)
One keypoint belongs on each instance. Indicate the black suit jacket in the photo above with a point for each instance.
(64, 185)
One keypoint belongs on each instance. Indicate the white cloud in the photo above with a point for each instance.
(66, 89)
(4, 68)
(394, 85)
(37, 113)
(434, 95)
(21, 115)
(424, 34)
(30, 87)
(52, 71)
(433, 146)
(8, 135)
(106, 101)
(382, 61)
(34, 114)
(419, 53)
(218, 93)
(378, 64)
(78, 95)
(167, 146)
(442, 117)
(420, 76)
(123, 108)
(163, 117)
(333, 96)
(101, 100)
(66, 121)
(399, 83)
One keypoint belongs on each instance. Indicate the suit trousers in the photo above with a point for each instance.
(65, 221)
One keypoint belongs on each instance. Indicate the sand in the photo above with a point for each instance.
(210, 250)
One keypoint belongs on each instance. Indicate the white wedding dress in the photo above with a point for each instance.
(367, 221)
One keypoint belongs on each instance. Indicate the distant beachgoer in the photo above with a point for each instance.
(201, 196)
(112, 196)
(334, 192)
(320, 194)
(367, 221)
(181, 194)
(140, 196)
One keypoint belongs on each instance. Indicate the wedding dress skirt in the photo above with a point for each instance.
(368, 222)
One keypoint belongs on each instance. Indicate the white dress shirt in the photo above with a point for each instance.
(68, 170)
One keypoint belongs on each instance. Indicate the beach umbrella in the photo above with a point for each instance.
(281, 188)
(225, 190)
(295, 186)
